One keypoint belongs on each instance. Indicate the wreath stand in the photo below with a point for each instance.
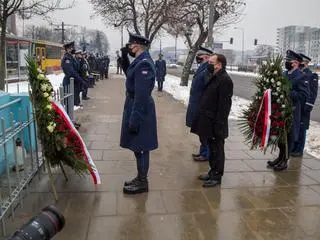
(52, 180)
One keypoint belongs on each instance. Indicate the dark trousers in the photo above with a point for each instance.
(204, 151)
(101, 74)
(142, 164)
(160, 85)
(216, 156)
(85, 89)
(106, 73)
(77, 90)
(299, 145)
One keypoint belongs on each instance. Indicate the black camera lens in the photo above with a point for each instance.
(42, 227)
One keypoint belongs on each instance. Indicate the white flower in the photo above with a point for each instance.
(272, 80)
(275, 72)
(278, 83)
(49, 107)
(39, 70)
(281, 96)
(273, 138)
(276, 94)
(50, 99)
(46, 94)
(44, 87)
(283, 106)
(278, 89)
(264, 62)
(278, 100)
(41, 77)
(51, 127)
(272, 64)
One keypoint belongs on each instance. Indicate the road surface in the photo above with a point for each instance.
(244, 88)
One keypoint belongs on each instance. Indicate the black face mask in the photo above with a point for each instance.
(288, 65)
(301, 65)
(210, 68)
(73, 51)
(199, 60)
(131, 53)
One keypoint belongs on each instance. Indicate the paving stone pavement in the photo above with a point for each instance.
(253, 202)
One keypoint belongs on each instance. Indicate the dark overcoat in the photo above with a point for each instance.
(70, 69)
(299, 95)
(139, 108)
(313, 86)
(161, 70)
(197, 86)
(211, 118)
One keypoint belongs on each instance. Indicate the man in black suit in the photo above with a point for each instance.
(211, 118)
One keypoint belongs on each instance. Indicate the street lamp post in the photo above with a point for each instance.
(242, 29)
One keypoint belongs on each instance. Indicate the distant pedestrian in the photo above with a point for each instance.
(161, 72)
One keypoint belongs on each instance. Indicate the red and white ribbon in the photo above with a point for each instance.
(93, 170)
(267, 120)
(266, 103)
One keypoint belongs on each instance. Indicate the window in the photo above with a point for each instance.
(53, 52)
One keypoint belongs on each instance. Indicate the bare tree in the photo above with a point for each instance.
(145, 17)
(191, 21)
(26, 9)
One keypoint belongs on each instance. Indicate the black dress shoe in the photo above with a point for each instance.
(283, 165)
(204, 177)
(85, 98)
(139, 186)
(200, 159)
(194, 155)
(296, 154)
(212, 182)
(271, 164)
(128, 183)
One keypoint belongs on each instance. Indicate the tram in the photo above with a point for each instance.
(47, 54)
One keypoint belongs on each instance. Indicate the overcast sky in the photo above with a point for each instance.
(261, 19)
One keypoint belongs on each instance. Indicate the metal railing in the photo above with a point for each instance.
(13, 182)
(21, 162)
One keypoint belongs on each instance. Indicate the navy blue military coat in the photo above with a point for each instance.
(161, 70)
(139, 108)
(313, 86)
(70, 69)
(197, 86)
(299, 95)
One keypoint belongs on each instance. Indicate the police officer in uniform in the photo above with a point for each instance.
(197, 86)
(107, 63)
(139, 126)
(161, 72)
(69, 66)
(307, 108)
(299, 96)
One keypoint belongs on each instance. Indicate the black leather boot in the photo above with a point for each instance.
(127, 183)
(271, 164)
(139, 186)
(283, 165)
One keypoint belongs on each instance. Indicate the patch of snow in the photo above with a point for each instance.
(245, 74)
(181, 93)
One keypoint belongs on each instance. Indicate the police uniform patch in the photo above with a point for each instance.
(67, 61)
(144, 72)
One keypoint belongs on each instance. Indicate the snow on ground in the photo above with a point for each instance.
(22, 87)
(180, 93)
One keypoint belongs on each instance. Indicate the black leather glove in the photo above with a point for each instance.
(125, 50)
(133, 129)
